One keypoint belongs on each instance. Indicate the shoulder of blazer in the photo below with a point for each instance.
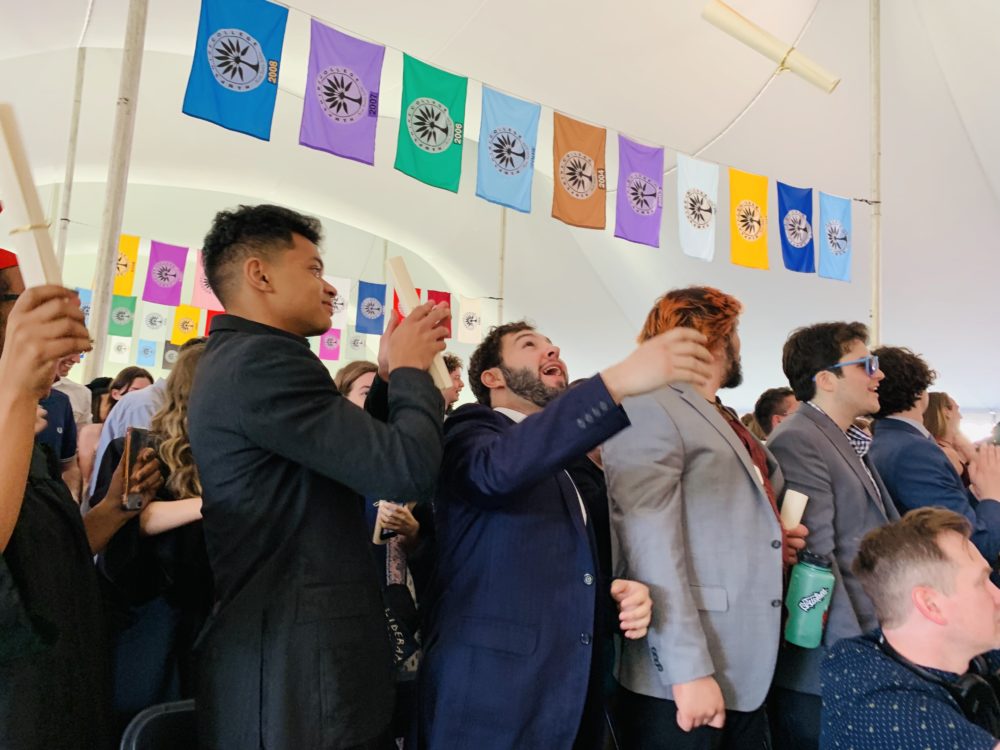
(475, 416)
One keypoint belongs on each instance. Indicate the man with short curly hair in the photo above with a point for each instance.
(913, 466)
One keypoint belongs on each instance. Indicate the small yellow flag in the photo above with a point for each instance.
(128, 253)
(186, 320)
(748, 219)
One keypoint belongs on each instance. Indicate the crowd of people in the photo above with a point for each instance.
(356, 563)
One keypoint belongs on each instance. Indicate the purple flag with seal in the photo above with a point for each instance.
(165, 275)
(340, 110)
(640, 192)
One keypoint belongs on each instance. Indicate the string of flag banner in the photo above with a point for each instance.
(160, 323)
(233, 83)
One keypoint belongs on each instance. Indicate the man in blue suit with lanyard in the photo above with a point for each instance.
(517, 600)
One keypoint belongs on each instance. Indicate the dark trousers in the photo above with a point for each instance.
(647, 723)
(795, 719)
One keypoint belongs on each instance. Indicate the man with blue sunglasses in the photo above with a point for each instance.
(825, 456)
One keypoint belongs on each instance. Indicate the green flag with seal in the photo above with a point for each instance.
(431, 124)
(122, 316)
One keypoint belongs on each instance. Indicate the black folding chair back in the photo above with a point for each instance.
(167, 726)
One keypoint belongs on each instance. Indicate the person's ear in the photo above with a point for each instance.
(493, 378)
(927, 602)
(255, 271)
(824, 381)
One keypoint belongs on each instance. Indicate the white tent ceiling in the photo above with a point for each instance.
(654, 71)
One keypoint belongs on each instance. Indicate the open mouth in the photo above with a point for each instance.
(554, 370)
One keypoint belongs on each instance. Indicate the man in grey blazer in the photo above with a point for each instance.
(824, 455)
(693, 502)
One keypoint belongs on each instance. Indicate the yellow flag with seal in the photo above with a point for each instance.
(186, 320)
(128, 254)
(748, 219)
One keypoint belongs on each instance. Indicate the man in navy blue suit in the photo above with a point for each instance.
(517, 600)
(913, 466)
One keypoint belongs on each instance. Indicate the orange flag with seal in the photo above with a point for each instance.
(580, 181)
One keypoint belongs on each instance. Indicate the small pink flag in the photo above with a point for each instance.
(329, 345)
(203, 296)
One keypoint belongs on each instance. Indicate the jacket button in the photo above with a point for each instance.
(588, 579)
(776, 544)
(585, 639)
(581, 424)
(776, 602)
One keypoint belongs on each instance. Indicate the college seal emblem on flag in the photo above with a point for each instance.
(430, 126)
(237, 60)
(341, 94)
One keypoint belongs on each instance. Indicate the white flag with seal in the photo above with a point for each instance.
(697, 206)
(119, 349)
(470, 321)
(155, 321)
(342, 302)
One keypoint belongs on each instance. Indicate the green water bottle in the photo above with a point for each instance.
(808, 599)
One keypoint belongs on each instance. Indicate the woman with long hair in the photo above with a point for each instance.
(158, 582)
(942, 420)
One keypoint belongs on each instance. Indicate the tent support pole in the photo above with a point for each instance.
(114, 200)
(74, 130)
(503, 256)
(875, 45)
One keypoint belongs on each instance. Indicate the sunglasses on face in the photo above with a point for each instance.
(870, 362)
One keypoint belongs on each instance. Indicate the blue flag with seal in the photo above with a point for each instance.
(836, 237)
(507, 137)
(371, 308)
(795, 208)
(234, 74)
(146, 354)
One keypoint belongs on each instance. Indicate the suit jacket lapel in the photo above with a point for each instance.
(843, 445)
(710, 413)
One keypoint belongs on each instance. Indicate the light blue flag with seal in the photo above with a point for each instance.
(234, 74)
(507, 137)
(146, 353)
(836, 239)
(795, 209)
(371, 308)
(86, 300)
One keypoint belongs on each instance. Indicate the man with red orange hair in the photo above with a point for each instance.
(694, 503)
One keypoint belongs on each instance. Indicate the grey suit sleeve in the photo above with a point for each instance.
(805, 469)
(644, 466)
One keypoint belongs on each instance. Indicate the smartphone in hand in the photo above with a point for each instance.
(135, 440)
(382, 535)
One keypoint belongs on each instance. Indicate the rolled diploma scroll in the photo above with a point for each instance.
(792, 508)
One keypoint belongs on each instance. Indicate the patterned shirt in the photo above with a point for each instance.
(872, 702)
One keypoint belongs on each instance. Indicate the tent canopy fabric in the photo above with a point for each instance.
(655, 72)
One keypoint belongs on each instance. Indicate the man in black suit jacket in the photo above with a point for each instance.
(296, 654)
(515, 608)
